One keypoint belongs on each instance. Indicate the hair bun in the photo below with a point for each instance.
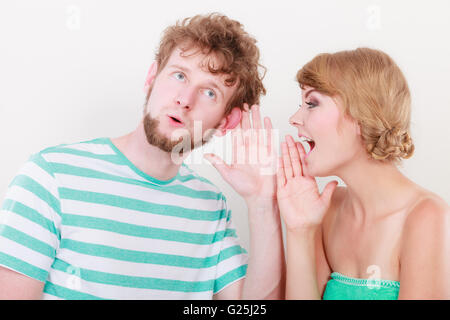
(392, 144)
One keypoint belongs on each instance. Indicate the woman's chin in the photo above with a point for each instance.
(314, 170)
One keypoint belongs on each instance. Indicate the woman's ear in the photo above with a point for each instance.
(229, 122)
(151, 74)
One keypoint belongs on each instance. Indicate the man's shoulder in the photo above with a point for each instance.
(98, 145)
(191, 177)
(65, 152)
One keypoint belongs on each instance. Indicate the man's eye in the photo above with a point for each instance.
(179, 76)
(210, 94)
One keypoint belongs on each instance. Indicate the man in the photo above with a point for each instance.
(121, 219)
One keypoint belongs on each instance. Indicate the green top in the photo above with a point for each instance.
(341, 287)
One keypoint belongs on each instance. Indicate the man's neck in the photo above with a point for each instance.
(146, 157)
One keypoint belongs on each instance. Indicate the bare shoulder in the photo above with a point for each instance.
(427, 219)
(424, 259)
(428, 210)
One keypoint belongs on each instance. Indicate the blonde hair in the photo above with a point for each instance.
(373, 91)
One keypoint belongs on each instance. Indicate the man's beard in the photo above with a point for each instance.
(185, 143)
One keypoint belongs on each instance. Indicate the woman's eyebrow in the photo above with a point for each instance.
(307, 93)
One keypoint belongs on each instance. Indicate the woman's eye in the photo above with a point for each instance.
(210, 93)
(179, 76)
(311, 104)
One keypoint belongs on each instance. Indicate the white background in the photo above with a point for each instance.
(74, 70)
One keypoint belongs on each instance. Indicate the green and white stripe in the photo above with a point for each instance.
(84, 220)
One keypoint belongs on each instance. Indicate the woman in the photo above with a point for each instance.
(382, 236)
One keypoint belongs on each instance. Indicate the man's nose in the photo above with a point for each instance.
(185, 98)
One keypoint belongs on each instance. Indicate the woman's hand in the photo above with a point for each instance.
(252, 172)
(301, 205)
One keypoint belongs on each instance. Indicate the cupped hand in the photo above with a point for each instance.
(252, 172)
(300, 202)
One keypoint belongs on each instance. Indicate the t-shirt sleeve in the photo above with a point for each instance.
(232, 262)
(29, 221)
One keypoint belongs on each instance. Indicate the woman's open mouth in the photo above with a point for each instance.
(310, 142)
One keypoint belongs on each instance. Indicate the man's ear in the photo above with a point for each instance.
(151, 74)
(229, 122)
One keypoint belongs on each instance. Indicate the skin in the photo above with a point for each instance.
(186, 92)
(380, 221)
(189, 88)
(252, 175)
(184, 88)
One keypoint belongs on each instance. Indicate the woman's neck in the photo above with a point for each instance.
(374, 189)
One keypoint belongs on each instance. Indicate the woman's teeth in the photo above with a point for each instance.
(310, 142)
(305, 139)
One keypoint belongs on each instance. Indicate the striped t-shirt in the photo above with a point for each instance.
(87, 222)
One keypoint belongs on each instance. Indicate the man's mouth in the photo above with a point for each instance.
(175, 121)
(310, 142)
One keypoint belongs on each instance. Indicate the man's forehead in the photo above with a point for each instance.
(194, 54)
(193, 58)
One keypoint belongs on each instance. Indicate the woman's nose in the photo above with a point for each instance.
(296, 119)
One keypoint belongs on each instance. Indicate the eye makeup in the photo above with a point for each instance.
(311, 104)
